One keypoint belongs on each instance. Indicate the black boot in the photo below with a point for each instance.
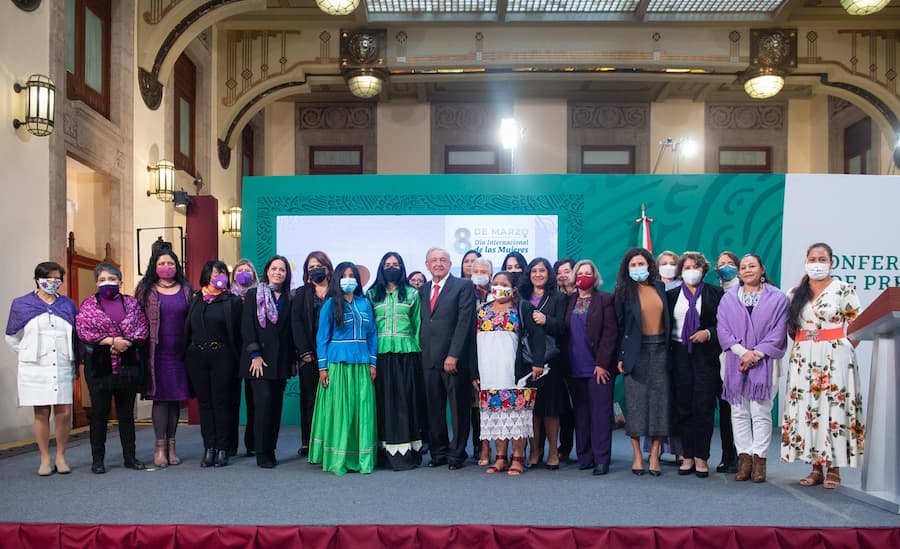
(97, 466)
(209, 456)
(221, 458)
(132, 462)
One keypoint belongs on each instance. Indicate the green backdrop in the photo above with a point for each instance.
(597, 213)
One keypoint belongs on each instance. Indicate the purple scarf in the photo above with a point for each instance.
(764, 330)
(691, 317)
(265, 304)
(29, 306)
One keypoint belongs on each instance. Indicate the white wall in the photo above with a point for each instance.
(678, 119)
(543, 145)
(24, 211)
(404, 137)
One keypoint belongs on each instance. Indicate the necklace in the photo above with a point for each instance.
(163, 284)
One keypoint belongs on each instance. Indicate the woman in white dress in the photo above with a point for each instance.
(40, 331)
(823, 421)
(506, 410)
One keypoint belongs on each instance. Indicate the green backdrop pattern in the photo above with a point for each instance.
(597, 213)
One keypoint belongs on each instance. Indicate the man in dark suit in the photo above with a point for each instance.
(448, 320)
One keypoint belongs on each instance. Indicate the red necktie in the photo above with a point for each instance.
(434, 295)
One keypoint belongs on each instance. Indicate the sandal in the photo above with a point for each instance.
(517, 467)
(832, 479)
(502, 464)
(814, 478)
(485, 458)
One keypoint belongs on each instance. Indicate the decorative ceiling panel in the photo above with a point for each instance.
(713, 6)
(572, 6)
(431, 6)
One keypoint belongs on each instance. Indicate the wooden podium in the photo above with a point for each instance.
(879, 482)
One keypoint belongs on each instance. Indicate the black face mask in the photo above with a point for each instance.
(317, 274)
(391, 274)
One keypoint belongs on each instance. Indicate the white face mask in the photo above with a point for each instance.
(481, 279)
(692, 277)
(818, 271)
(667, 271)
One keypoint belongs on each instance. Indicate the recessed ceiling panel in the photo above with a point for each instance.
(431, 6)
(713, 6)
(572, 6)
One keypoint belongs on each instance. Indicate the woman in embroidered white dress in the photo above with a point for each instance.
(823, 420)
(506, 410)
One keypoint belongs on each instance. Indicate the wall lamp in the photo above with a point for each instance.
(40, 105)
(338, 7)
(363, 54)
(773, 54)
(162, 181)
(232, 222)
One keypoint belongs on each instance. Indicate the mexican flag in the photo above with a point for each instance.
(643, 240)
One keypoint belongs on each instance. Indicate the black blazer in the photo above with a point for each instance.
(274, 342)
(232, 335)
(710, 297)
(554, 308)
(305, 320)
(628, 318)
(602, 329)
(450, 328)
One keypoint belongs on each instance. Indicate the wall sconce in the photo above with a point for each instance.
(773, 54)
(40, 105)
(162, 181)
(864, 7)
(232, 221)
(362, 61)
(338, 7)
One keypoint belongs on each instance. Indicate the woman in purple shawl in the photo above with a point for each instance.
(752, 328)
(40, 330)
(112, 327)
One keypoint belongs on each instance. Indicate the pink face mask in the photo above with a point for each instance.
(166, 272)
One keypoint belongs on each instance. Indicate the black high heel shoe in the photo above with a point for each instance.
(638, 472)
(209, 457)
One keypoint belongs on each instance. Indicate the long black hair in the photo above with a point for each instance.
(803, 293)
(526, 287)
(380, 285)
(337, 294)
(626, 288)
(520, 259)
(160, 248)
(286, 285)
(462, 273)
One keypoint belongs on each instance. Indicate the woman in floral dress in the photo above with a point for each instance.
(823, 421)
(506, 410)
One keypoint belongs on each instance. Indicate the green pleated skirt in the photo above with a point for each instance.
(344, 436)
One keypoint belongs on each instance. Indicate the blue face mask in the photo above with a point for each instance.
(727, 272)
(348, 285)
(639, 274)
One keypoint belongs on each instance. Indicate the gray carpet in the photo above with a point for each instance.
(296, 493)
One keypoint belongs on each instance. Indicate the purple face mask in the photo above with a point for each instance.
(243, 278)
(108, 290)
(219, 281)
(166, 272)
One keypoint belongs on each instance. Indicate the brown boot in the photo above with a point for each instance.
(159, 455)
(745, 467)
(173, 457)
(759, 469)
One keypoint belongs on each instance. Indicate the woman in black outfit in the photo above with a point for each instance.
(538, 287)
(268, 355)
(212, 333)
(695, 360)
(308, 299)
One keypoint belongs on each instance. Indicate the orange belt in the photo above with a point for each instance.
(820, 335)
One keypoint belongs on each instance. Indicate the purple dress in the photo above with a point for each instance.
(171, 374)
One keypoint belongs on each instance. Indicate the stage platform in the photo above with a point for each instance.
(413, 507)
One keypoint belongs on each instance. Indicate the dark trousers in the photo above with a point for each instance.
(593, 410)
(567, 427)
(250, 408)
(726, 433)
(695, 378)
(101, 402)
(212, 376)
(268, 397)
(309, 385)
(441, 388)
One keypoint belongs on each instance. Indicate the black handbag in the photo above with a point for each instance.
(551, 349)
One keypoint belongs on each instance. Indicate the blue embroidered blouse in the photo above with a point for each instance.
(355, 342)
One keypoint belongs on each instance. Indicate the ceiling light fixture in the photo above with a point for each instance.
(338, 7)
(864, 7)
